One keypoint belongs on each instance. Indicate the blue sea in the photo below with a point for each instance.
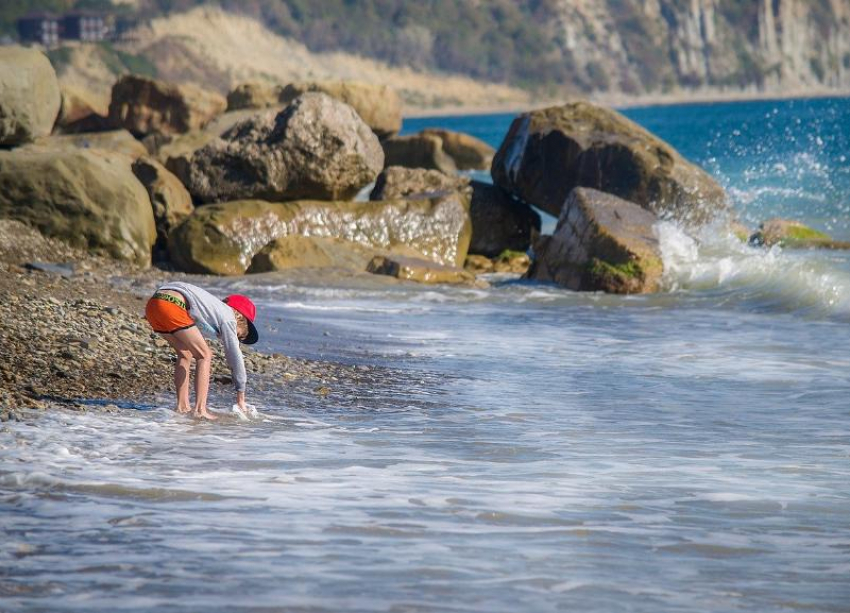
(527, 448)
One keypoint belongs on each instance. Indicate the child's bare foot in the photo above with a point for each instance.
(204, 414)
(184, 410)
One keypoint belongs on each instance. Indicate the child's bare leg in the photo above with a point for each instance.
(191, 340)
(181, 374)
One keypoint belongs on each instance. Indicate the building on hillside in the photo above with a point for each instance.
(85, 26)
(41, 28)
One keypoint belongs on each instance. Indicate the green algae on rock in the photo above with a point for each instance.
(601, 243)
(547, 153)
(791, 234)
(223, 238)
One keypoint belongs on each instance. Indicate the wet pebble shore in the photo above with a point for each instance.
(72, 339)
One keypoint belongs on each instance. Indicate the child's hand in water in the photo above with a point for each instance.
(245, 411)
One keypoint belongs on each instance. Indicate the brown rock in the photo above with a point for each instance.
(400, 182)
(549, 152)
(114, 141)
(29, 95)
(254, 95)
(418, 151)
(143, 106)
(602, 243)
(170, 201)
(791, 234)
(468, 152)
(419, 270)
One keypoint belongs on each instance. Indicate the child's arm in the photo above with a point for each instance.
(233, 355)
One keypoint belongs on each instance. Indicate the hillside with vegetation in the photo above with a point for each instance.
(557, 47)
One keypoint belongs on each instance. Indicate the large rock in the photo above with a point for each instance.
(499, 221)
(223, 238)
(419, 270)
(295, 251)
(549, 152)
(170, 200)
(378, 105)
(144, 106)
(115, 141)
(318, 147)
(89, 198)
(29, 95)
(81, 111)
(400, 182)
(468, 152)
(791, 234)
(602, 243)
(253, 95)
(418, 151)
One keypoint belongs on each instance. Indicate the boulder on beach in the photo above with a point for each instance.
(170, 201)
(81, 111)
(601, 243)
(515, 262)
(144, 106)
(468, 152)
(253, 95)
(223, 238)
(791, 234)
(86, 197)
(419, 270)
(317, 147)
(499, 221)
(548, 152)
(400, 182)
(378, 105)
(296, 251)
(29, 95)
(116, 141)
(418, 151)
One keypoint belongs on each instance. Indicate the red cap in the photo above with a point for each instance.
(244, 305)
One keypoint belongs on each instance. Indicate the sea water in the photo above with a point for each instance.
(524, 448)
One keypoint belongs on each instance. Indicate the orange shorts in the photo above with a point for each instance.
(166, 317)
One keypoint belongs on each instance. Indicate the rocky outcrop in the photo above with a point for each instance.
(223, 238)
(318, 147)
(170, 201)
(547, 153)
(418, 151)
(468, 152)
(81, 111)
(288, 252)
(419, 270)
(144, 106)
(515, 262)
(378, 105)
(601, 243)
(253, 95)
(399, 182)
(499, 221)
(88, 198)
(29, 96)
(791, 234)
(116, 141)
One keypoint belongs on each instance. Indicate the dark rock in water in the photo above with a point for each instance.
(499, 221)
(378, 105)
(170, 201)
(63, 270)
(29, 95)
(88, 198)
(400, 182)
(418, 151)
(468, 152)
(316, 148)
(288, 252)
(419, 270)
(549, 152)
(143, 106)
(791, 234)
(601, 243)
(223, 238)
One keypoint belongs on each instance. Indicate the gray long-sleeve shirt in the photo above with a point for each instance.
(214, 318)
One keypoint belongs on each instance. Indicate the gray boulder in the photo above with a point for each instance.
(86, 197)
(418, 151)
(549, 152)
(400, 182)
(601, 243)
(29, 95)
(499, 221)
(223, 238)
(316, 148)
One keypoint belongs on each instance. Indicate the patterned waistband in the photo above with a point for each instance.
(170, 298)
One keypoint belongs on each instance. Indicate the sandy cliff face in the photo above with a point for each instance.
(648, 46)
